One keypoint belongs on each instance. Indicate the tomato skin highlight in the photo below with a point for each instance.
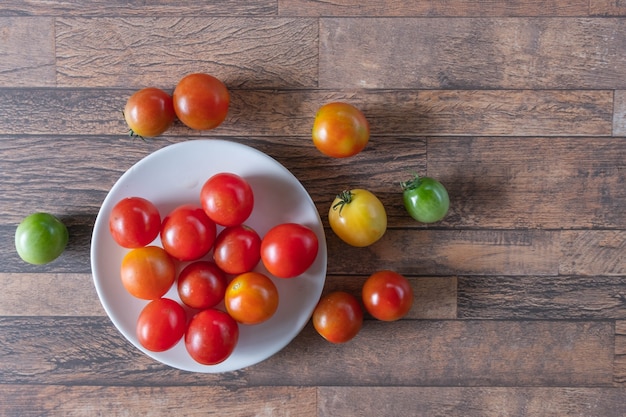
(134, 222)
(340, 130)
(147, 272)
(289, 249)
(358, 217)
(161, 324)
(40, 238)
(201, 101)
(425, 199)
(237, 249)
(387, 295)
(338, 317)
(149, 112)
(251, 298)
(211, 336)
(201, 285)
(227, 199)
(187, 233)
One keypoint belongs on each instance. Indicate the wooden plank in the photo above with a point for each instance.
(620, 353)
(607, 7)
(531, 182)
(450, 252)
(472, 53)
(90, 351)
(29, 63)
(242, 52)
(592, 253)
(69, 401)
(471, 402)
(544, 298)
(408, 113)
(432, 8)
(619, 116)
(95, 8)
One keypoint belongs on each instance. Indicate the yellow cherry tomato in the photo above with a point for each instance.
(358, 217)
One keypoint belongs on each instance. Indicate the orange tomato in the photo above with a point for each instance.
(148, 272)
(340, 130)
(251, 298)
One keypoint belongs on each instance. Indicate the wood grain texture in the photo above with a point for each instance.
(471, 402)
(242, 52)
(31, 63)
(90, 351)
(607, 7)
(472, 53)
(593, 253)
(432, 8)
(406, 113)
(619, 115)
(620, 353)
(542, 298)
(80, 401)
(96, 8)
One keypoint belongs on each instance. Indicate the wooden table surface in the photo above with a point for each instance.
(518, 107)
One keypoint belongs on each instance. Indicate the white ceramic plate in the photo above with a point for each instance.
(174, 175)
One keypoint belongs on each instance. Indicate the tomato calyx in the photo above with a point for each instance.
(411, 184)
(345, 197)
(132, 133)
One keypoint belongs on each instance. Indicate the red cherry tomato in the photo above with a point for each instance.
(134, 222)
(187, 233)
(161, 324)
(201, 285)
(148, 272)
(237, 249)
(387, 295)
(289, 249)
(211, 336)
(201, 101)
(149, 112)
(338, 317)
(251, 298)
(227, 199)
(340, 130)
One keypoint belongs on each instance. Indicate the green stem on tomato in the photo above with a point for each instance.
(345, 197)
(412, 183)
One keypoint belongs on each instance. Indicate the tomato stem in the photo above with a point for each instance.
(345, 197)
(412, 183)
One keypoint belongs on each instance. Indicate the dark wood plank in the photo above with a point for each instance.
(90, 351)
(607, 7)
(593, 253)
(532, 182)
(545, 298)
(279, 113)
(56, 400)
(95, 8)
(472, 53)
(432, 8)
(471, 402)
(620, 353)
(242, 52)
(29, 63)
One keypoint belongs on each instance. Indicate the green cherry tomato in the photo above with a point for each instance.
(40, 238)
(425, 199)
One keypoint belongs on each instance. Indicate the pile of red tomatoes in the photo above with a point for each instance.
(210, 255)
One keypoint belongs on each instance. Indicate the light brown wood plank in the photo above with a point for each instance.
(531, 182)
(432, 8)
(472, 53)
(30, 63)
(433, 297)
(619, 116)
(620, 353)
(90, 351)
(95, 8)
(544, 298)
(591, 253)
(49, 295)
(80, 401)
(451, 252)
(242, 52)
(471, 402)
(408, 113)
(607, 7)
